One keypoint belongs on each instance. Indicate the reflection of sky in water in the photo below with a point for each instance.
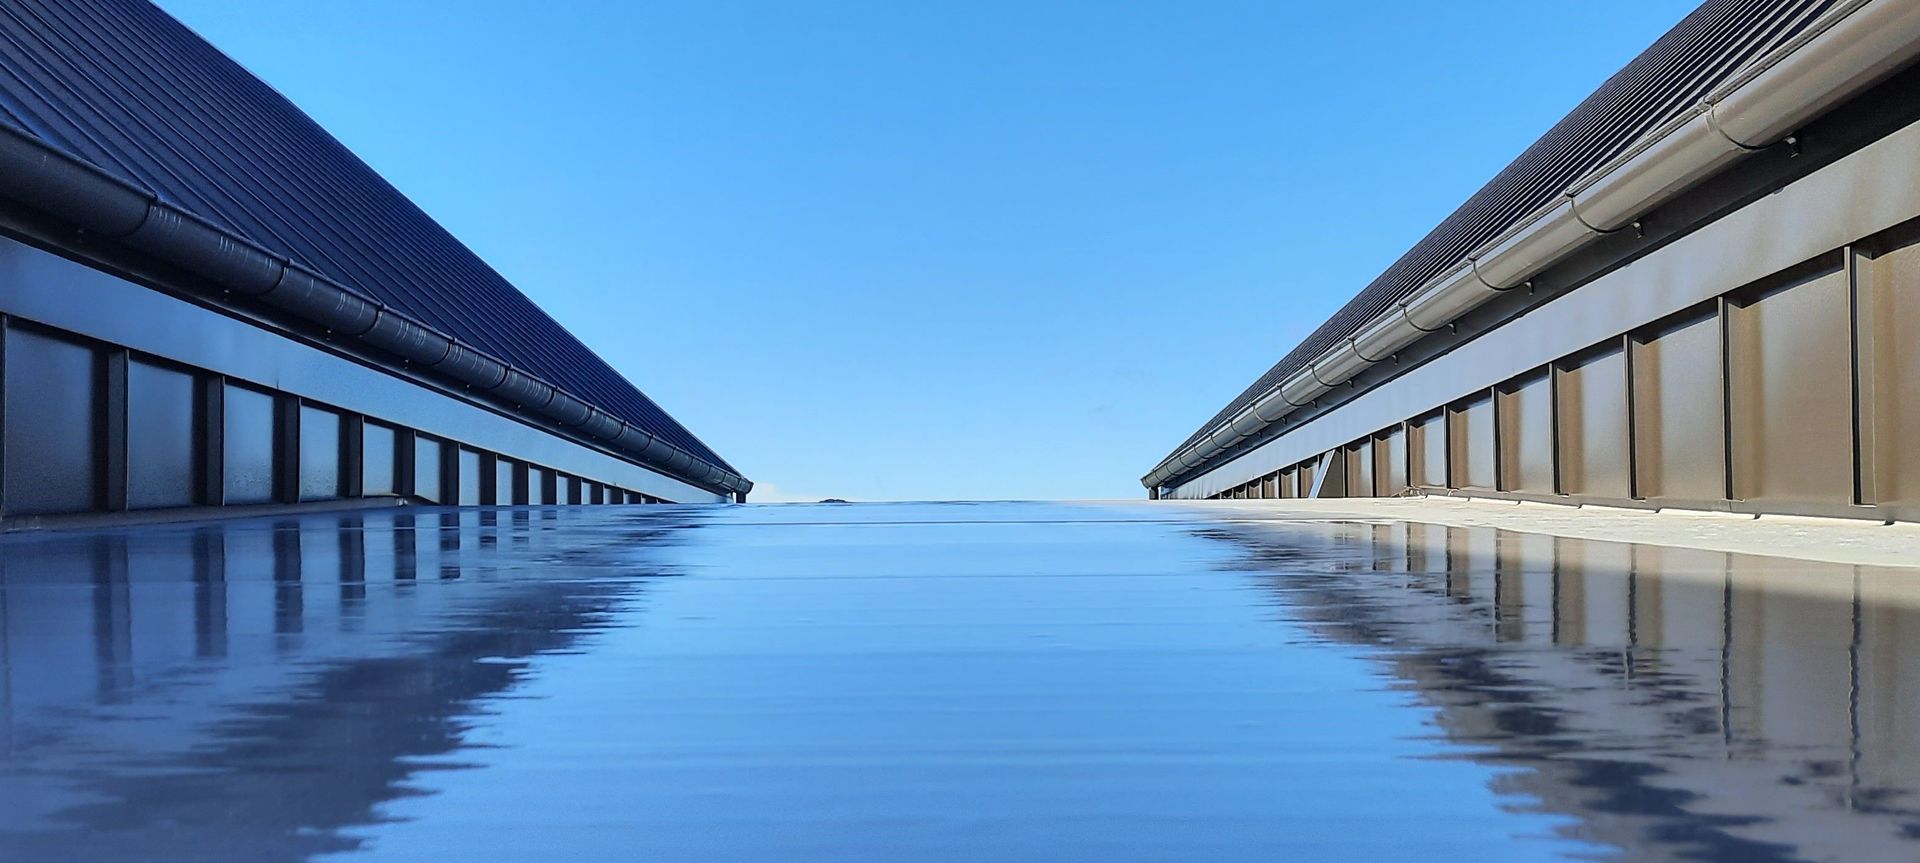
(1017, 681)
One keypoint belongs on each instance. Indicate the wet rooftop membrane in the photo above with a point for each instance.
(942, 682)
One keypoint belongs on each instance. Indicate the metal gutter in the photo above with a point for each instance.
(1855, 45)
(73, 190)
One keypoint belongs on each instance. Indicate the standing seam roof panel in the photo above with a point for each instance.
(126, 87)
(1706, 49)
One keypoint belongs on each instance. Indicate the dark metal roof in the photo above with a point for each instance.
(124, 86)
(1707, 48)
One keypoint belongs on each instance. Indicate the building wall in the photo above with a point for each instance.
(1764, 363)
(116, 397)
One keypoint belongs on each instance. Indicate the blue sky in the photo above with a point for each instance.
(978, 250)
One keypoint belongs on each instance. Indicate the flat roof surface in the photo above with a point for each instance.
(994, 681)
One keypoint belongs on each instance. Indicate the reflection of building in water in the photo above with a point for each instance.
(1678, 702)
(245, 690)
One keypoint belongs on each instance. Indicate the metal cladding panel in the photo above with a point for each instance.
(1526, 437)
(537, 486)
(503, 482)
(123, 86)
(160, 440)
(319, 454)
(1678, 436)
(377, 460)
(1470, 442)
(1427, 452)
(52, 397)
(1894, 288)
(427, 482)
(1792, 402)
(1360, 472)
(1706, 49)
(470, 485)
(1594, 450)
(1331, 474)
(247, 435)
(1390, 451)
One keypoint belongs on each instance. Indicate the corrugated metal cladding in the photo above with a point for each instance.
(124, 86)
(1703, 51)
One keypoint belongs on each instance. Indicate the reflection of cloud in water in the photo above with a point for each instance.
(1680, 703)
(246, 690)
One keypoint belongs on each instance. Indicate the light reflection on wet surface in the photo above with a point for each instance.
(941, 682)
